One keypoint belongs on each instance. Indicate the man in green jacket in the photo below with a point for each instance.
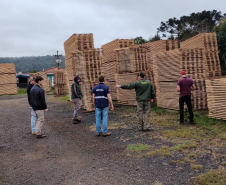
(76, 96)
(144, 94)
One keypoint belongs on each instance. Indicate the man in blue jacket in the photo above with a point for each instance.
(101, 99)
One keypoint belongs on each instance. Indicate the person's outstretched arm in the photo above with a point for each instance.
(128, 86)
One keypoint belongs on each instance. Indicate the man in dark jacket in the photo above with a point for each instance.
(76, 96)
(33, 115)
(38, 103)
(144, 94)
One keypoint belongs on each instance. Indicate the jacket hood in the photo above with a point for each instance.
(76, 79)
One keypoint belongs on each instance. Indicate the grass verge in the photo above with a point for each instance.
(22, 91)
(66, 98)
(214, 177)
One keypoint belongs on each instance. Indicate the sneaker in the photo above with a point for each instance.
(33, 133)
(106, 134)
(40, 136)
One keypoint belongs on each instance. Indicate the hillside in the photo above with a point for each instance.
(25, 64)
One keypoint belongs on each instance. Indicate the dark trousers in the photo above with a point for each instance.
(187, 100)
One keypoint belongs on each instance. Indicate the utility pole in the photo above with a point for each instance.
(58, 60)
(33, 66)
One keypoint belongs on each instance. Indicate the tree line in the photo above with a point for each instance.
(188, 26)
(33, 64)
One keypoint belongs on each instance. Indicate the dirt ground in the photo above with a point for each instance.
(73, 155)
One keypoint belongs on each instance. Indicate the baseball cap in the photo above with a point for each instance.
(141, 75)
(183, 72)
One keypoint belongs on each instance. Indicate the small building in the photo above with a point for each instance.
(22, 80)
(50, 74)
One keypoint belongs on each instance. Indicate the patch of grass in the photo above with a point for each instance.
(138, 147)
(196, 167)
(158, 110)
(22, 91)
(198, 133)
(166, 151)
(192, 155)
(189, 160)
(152, 153)
(66, 98)
(113, 126)
(157, 183)
(213, 177)
(178, 161)
(184, 145)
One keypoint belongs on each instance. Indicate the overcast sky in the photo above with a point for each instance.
(40, 27)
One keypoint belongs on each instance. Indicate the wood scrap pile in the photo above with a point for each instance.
(8, 82)
(207, 41)
(167, 67)
(46, 82)
(216, 89)
(59, 82)
(109, 63)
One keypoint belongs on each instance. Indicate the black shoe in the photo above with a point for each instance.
(182, 123)
(192, 123)
(147, 130)
(79, 120)
(75, 121)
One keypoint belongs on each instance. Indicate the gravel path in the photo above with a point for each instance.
(72, 154)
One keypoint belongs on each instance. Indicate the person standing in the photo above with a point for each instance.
(145, 93)
(33, 115)
(184, 86)
(76, 96)
(38, 103)
(101, 99)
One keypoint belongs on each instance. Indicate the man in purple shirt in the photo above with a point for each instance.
(184, 86)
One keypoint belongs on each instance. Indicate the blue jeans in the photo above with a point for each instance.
(104, 113)
(33, 120)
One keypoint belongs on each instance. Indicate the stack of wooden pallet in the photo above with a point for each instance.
(88, 67)
(8, 82)
(207, 41)
(77, 42)
(59, 82)
(139, 58)
(109, 63)
(132, 59)
(46, 82)
(167, 67)
(216, 98)
(126, 96)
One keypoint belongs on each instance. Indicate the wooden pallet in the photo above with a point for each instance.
(78, 42)
(167, 67)
(207, 41)
(216, 98)
(8, 82)
(59, 83)
(46, 82)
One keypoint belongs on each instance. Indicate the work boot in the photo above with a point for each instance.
(75, 121)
